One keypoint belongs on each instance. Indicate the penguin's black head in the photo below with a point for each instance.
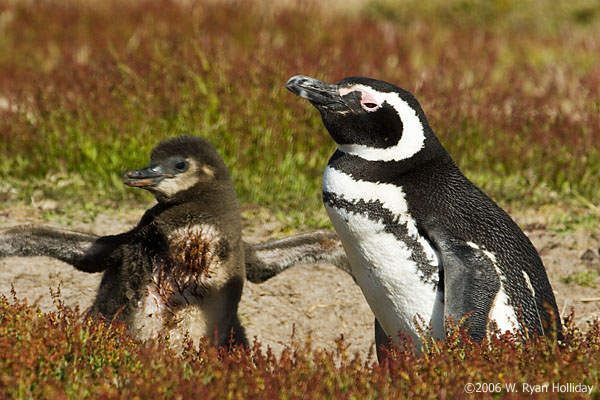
(368, 118)
(180, 169)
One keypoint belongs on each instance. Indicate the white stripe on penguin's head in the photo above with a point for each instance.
(413, 135)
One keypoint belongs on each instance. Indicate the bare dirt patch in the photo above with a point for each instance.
(321, 302)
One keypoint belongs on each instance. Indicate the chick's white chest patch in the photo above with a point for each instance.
(396, 268)
(174, 302)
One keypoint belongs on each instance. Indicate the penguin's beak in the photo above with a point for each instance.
(321, 94)
(147, 177)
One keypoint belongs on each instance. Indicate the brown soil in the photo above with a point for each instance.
(321, 302)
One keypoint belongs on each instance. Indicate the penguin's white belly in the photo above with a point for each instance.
(388, 277)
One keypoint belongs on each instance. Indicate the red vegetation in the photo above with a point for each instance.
(61, 355)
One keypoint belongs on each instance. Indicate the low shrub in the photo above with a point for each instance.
(61, 354)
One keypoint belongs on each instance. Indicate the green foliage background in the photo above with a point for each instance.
(87, 88)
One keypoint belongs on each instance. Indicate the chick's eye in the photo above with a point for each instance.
(181, 166)
(370, 105)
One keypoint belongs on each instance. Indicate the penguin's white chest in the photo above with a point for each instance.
(183, 297)
(381, 241)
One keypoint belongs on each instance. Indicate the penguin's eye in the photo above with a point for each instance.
(181, 166)
(368, 101)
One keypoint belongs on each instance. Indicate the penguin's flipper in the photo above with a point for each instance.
(92, 253)
(471, 282)
(84, 251)
(265, 260)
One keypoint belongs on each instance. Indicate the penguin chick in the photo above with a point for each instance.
(422, 240)
(181, 269)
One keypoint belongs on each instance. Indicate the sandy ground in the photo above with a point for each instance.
(321, 302)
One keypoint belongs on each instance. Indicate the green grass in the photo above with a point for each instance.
(584, 278)
(86, 90)
(541, 17)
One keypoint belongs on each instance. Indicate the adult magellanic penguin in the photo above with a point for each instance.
(421, 239)
(182, 268)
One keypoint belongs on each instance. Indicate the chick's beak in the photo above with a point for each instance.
(146, 177)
